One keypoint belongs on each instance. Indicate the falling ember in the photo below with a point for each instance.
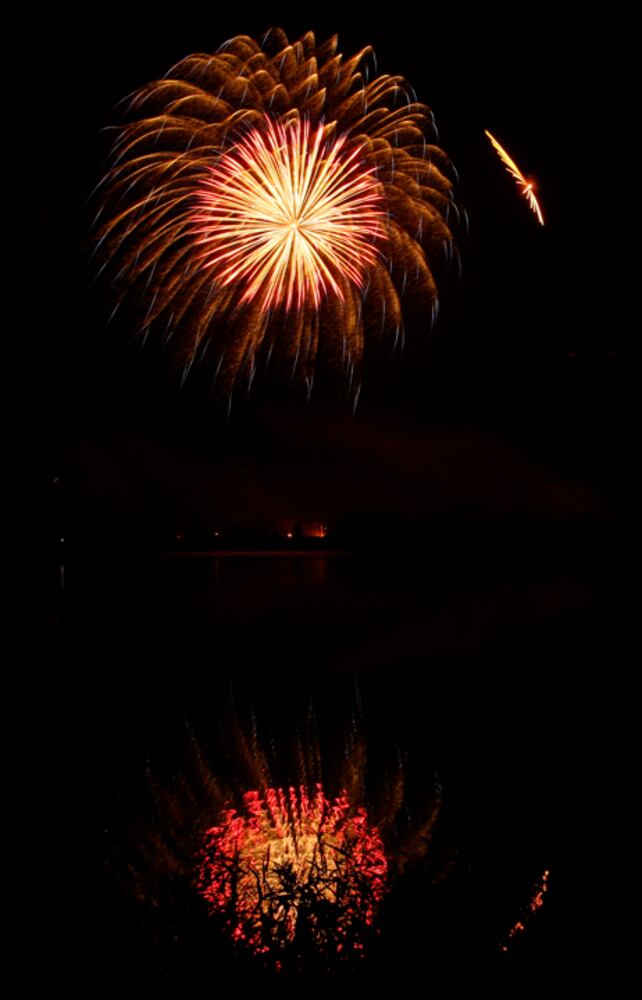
(526, 185)
(535, 904)
(292, 870)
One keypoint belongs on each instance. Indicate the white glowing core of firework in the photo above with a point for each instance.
(289, 215)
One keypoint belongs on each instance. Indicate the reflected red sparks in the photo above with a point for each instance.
(291, 867)
(535, 904)
(538, 896)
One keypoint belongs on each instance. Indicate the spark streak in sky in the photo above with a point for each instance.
(526, 184)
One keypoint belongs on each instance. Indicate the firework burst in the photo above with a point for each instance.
(270, 196)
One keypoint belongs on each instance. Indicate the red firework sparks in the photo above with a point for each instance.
(292, 868)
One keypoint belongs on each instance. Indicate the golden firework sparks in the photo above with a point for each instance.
(269, 200)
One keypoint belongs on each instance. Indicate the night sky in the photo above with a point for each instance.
(520, 400)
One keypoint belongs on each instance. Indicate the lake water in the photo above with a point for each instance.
(503, 679)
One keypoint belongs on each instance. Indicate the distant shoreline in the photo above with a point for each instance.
(235, 553)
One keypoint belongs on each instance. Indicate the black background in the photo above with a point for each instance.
(524, 398)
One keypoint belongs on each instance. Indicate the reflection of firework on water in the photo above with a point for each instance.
(295, 878)
(295, 867)
(271, 196)
(535, 904)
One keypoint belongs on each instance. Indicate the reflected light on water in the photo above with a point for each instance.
(535, 904)
(292, 866)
